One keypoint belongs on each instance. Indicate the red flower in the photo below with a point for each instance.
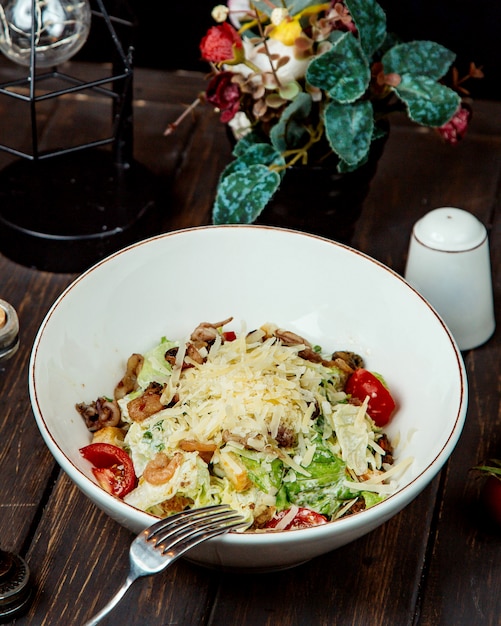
(222, 43)
(225, 95)
(455, 129)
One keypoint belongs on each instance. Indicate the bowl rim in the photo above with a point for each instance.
(404, 494)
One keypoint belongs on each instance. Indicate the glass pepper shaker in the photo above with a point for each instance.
(9, 331)
(15, 586)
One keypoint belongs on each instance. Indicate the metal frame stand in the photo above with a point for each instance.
(65, 208)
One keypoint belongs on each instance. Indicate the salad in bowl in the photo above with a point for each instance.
(258, 420)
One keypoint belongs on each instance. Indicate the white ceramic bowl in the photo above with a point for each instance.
(331, 294)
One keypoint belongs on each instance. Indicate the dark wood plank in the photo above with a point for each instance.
(90, 561)
(26, 463)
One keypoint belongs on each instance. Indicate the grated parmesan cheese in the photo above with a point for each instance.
(250, 390)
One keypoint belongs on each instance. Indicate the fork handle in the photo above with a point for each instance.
(113, 602)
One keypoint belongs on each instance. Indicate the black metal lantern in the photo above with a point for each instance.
(66, 206)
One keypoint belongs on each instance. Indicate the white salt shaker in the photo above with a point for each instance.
(449, 264)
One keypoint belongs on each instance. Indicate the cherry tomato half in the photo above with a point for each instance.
(304, 518)
(491, 497)
(229, 335)
(363, 383)
(113, 467)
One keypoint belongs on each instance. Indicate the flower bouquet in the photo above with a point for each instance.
(303, 83)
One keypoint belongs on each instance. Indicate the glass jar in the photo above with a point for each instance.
(61, 28)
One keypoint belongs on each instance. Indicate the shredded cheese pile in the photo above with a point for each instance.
(248, 389)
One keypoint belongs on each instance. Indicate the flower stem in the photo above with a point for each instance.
(172, 127)
(251, 66)
(302, 153)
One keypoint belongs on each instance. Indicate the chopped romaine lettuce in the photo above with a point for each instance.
(266, 475)
(371, 498)
(155, 368)
(323, 491)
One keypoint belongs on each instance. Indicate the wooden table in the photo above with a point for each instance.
(438, 562)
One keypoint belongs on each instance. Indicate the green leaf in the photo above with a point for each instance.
(253, 154)
(422, 58)
(288, 91)
(348, 128)
(428, 103)
(371, 498)
(377, 133)
(491, 466)
(243, 144)
(323, 491)
(243, 194)
(267, 476)
(289, 132)
(343, 71)
(370, 20)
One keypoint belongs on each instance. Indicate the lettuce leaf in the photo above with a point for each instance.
(155, 368)
(323, 491)
(266, 475)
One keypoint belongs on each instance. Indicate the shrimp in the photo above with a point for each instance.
(161, 468)
(147, 404)
(205, 450)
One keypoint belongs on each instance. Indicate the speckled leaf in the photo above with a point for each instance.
(348, 128)
(263, 153)
(242, 195)
(377, 134)
(290, 132)
(428, 103)
(253, 154)
(421, 58)
(245, 142)
(370, 20)
(343, 71)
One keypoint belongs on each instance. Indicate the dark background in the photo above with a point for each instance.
(167, 35)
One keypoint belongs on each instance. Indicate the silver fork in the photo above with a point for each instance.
(156, 547)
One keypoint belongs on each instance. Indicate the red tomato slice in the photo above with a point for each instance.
(229, 335)
(304, 518)
(363, 383)
(113, 468)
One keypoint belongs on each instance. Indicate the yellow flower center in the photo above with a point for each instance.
(286, 28)
(287, 31)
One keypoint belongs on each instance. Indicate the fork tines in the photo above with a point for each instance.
(204, 522)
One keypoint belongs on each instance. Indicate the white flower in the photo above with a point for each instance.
(220, 13)
(278, 16)
(240, 125)
(238, 9)
(292, 70)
